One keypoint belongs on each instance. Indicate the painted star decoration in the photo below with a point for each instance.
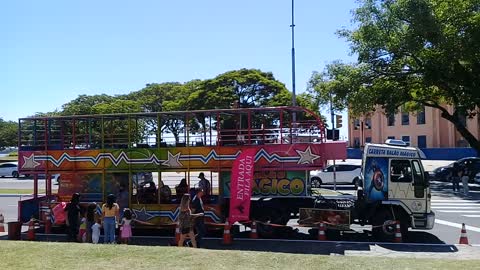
(29, 162)
(142, 214)
(173, 160)
(307, 157)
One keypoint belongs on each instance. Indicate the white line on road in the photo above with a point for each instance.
(453, 201)
(461, 204)
(471, 215)
(456, 207)
(456, 211)
(457, 225)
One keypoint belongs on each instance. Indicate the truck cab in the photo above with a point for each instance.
(395, 188)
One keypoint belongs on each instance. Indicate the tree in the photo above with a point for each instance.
(411, 53)
(248, 87)
(84, 104)
(8, 133)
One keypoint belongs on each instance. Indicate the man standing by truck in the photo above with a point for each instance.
(197, 203)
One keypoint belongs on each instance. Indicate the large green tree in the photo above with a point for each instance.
(85, 104)
(411, 53)
(247, 87)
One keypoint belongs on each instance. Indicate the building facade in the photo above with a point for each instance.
(424, 129)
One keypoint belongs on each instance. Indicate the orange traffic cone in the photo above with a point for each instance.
(227, 237)
(253, 232)
(2, 226)
(31, 230)
(177, 234)
(48, 222)
(398, 233)
(463, 236)
(321, 232)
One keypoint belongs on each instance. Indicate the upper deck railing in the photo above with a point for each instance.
(222, 127)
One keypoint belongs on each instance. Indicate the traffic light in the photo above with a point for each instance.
(338, 119)
(335, 135)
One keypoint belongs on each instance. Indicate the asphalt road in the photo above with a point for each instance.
(451, 209)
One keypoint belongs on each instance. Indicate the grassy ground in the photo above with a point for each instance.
(41, 255)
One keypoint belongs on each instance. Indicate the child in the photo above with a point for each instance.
(96, 231)
(126, 226)
(186, 222)
(82, 232)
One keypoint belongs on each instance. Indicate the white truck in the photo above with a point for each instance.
(393, 187)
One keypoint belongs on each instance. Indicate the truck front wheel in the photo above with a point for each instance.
(384, 223)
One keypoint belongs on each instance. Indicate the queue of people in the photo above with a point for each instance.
(85, 226)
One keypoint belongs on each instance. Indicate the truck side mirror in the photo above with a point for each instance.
(426, 177)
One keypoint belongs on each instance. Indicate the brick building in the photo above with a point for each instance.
(425, 129)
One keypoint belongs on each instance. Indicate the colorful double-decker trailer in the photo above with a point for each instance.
(143, 157)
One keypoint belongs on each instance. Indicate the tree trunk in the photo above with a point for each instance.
(454, 119)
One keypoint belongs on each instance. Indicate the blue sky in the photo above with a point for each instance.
(53, 51)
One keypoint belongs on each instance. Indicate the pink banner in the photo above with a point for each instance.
(241, 186)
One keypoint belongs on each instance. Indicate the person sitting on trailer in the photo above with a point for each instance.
(181, 188)
(164, 191)
(147, 192)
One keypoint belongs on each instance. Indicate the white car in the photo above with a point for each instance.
(477, 178)
(345, 174)
(9, 169)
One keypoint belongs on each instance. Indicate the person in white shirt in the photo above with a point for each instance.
(96, 232)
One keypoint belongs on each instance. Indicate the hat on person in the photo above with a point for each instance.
(201, 175)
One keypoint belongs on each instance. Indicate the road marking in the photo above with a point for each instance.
(456, 211)
(457, 225)
(453, 201)
(471, 215)
(461, 204)
(456, 207)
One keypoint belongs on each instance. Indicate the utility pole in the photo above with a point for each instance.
(333, 138)
(332, 113)
(294, 98)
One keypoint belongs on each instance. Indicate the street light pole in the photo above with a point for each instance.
(294, 100)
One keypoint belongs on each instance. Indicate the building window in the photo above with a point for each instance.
(406, 139)
(391, 119)
(368, 123)
(368, 139)
(421, 116)
(356, 124)
(391, 137)
(405, 117)
(356, 142)
(422, 141)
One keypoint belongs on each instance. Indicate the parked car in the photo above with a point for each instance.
(345, 174)
(477, 178)
(9, 169)
(471, 163)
